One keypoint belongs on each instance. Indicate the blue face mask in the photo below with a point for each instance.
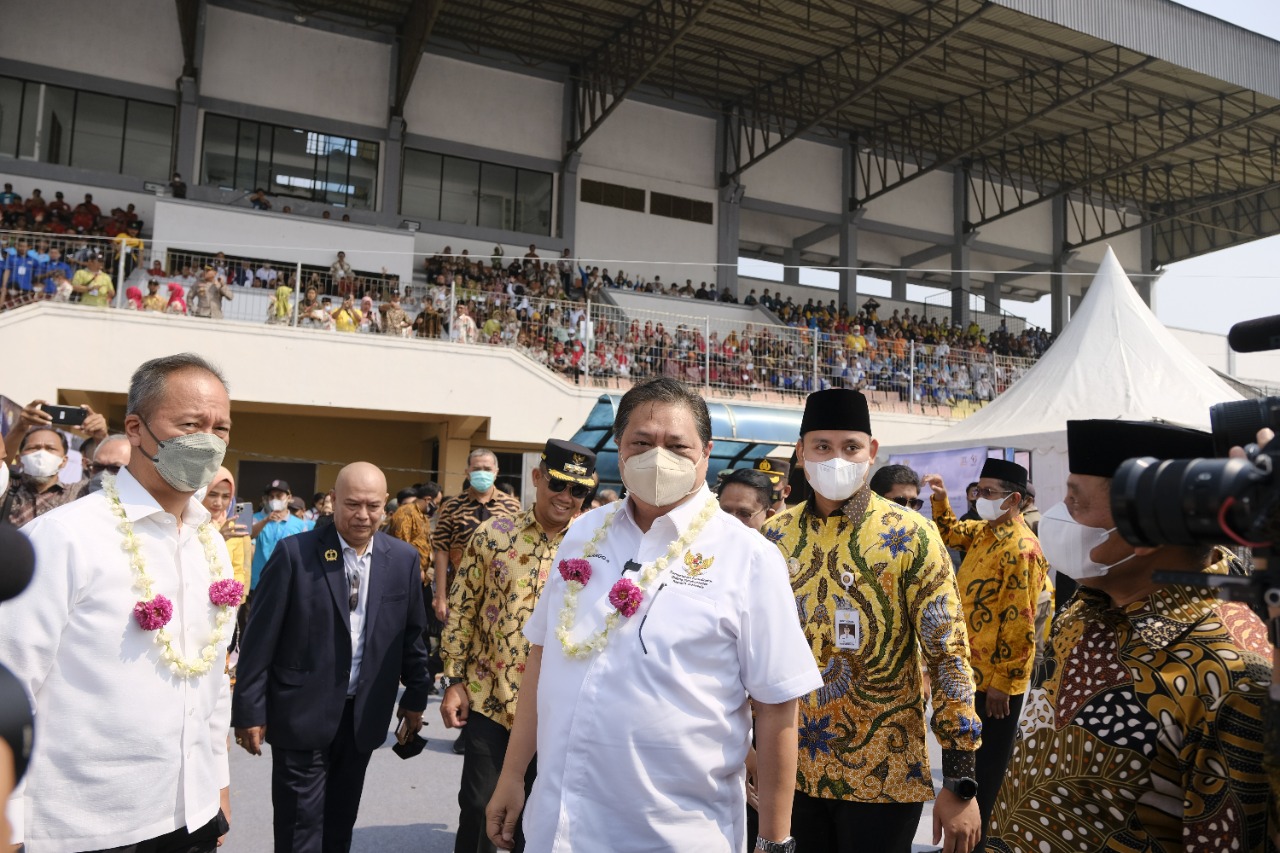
(482, 481)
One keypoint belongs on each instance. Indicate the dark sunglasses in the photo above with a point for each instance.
(98, 468)
(578, 490)
(911, 503)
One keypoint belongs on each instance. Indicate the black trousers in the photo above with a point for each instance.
(316, 792)
(840, 826)
(203, 840)
(486, 748)
(992, 758)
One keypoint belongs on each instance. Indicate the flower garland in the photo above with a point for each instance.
(153, 611)
(625, 595)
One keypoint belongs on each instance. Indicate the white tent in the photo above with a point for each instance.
(1113, 360)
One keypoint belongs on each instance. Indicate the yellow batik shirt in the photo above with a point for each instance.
(1000, 581)
(1147, 734)
(862, 735)
(502, 572)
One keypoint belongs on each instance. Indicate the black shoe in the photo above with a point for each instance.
(459, 747)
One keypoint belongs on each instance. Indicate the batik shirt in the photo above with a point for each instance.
(408, 524)
(498, 583)
(1147, 734)
(1000, 582)
(460, 515)
(862, 734)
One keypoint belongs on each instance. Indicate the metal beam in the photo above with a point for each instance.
(1188, 234)
(415, 30)
(925, 255)
(791, 211)
(618, 66)
(774, 114)
(922, 141)
(816, 236)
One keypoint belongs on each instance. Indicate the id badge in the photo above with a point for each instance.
(848, 630)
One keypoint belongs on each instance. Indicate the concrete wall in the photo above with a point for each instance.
(803, 173)
(641, 142)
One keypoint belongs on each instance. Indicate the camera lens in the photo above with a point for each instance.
(1178, 501)
(1236, 424)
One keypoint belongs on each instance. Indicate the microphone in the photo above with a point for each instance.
(17, 561)
(1255, 335)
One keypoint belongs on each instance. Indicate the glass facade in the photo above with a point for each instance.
(289, 162)
(70, 127)
(471, 192)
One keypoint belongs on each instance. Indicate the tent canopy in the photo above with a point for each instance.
(1114, 360)
(740, 434)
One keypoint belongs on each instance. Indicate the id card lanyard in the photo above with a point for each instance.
(848, 625)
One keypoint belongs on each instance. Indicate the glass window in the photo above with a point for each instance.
(497, 196)
(98, 132)
(363, 176)
(47, 115)
(533, 202)
(293, 167)
(148, 141)
(459, 190)
(219, 152)
(10, 115)
(420, 192)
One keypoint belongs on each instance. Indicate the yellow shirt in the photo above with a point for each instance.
(241, 550)
(862, 735)
(154, 302)
(346, 320)
(502, 573)
(100, 287)
(408, 524)
(1000, 581)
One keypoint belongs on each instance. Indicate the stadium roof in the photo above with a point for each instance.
(1142, 106)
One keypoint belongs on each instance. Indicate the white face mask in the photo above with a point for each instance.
(1067, 543)
(41, 464)
(836, 479)
(659, 477)
(276, 504)
(990, 510)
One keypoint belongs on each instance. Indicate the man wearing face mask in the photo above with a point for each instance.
(1147, 733)
(273, 523)
(1000, 580)
(136, 616)
(663, 614)
(875, 591)
(41, 456)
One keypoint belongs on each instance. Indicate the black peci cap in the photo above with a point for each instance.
(1010, 472)
(837, 409)
(1097, 448)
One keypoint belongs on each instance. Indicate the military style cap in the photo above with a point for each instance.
(777, 469)
(568, 461)
(1097, 447)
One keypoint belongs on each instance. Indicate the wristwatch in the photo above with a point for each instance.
(963, 787)
(449, 681)
(786, 845)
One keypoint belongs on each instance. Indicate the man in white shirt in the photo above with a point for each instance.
(642, 742)
(123, 612)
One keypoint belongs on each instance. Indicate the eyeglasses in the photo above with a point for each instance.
(98, 468)
(911, 503)
(353, 579)
(744, 515)
(991, 493)
(578, 490)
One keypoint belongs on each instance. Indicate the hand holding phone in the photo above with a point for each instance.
(65, 416)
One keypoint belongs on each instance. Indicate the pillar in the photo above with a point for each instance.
(791, 267)
(991, 291)
(961, 282)
(1059, 303)
(848, 260)
(567, 183)
(392, 161)
(898, 285)
(728, 228)
(1145, 284)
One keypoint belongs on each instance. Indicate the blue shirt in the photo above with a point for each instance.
(272, 532)
(21, 269)
(50, 268)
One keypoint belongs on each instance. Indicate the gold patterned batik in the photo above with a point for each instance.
(502, 573)
(862, 735)
(1000, 582)
(1147, 734)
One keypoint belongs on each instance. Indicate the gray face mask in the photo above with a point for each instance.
(188, 462)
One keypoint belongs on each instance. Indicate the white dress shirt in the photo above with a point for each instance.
(357, 565)
(641, 747)
(125, 751)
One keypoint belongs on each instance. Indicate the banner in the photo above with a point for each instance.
(958, 469)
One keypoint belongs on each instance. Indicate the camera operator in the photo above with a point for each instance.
(1148, 730)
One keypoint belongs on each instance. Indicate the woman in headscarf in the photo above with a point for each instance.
(280, 309)
(219, 500)
(177, 300)
(134, 295)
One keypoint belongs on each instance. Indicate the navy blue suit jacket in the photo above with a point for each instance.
(295, 656)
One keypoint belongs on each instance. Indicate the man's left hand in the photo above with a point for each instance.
(411, 724)
(95, 425)
(997, 704)
(225, 801)
(956, 822)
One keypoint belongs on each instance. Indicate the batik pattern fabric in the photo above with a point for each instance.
(1000, 581)
(408, 524)
(1147, 734)
(862, 735)
(499, 580)
(460, 515)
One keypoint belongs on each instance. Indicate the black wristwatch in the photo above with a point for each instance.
(786, 845)
(963, 787)
(449, 681)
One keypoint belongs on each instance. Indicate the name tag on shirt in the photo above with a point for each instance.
(848, 630)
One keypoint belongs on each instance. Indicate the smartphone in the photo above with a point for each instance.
(244, 517)
(65, 415)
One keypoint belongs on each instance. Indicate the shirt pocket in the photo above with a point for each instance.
(684, 626)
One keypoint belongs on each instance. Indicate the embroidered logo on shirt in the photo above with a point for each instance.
(696, 564)
(331, 555)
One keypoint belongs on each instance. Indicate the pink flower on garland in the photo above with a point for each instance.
(226, 593)
(154, 614)
(626, 596)
(575, 570)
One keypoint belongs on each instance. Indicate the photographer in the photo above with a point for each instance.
(1148, 731)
